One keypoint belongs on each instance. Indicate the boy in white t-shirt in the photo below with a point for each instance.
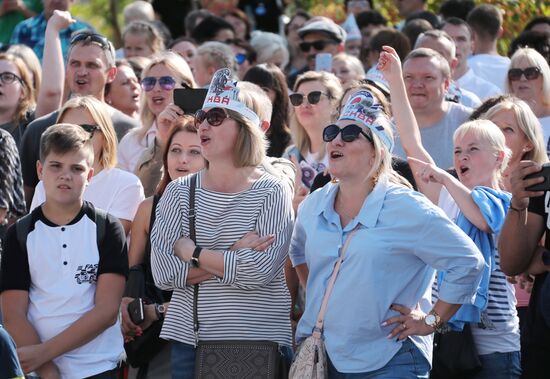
(62, 288)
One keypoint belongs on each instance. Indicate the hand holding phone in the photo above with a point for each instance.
(543, 186)
(136, 311)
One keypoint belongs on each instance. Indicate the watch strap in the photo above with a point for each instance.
(195, 257)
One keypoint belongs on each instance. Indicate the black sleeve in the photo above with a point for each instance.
(30, 147)
(14, 267)
(113, 252)
(402, 167)
(536, 206)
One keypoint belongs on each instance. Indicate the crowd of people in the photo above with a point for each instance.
(203, 182)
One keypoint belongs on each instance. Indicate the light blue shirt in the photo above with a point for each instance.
(401, 239)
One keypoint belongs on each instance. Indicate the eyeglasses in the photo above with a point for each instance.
(531, 73)
(317, 45)
(90, 128)
(167, 83)
(240, 58)
(313, 98)
(7, 77)
(214, 117)
(92, 37)
(349, 133)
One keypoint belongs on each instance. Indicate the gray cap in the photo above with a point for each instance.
(324, 26)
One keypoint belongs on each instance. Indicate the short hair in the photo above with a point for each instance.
(439, 35)
(424, 52)
(393, 38)
(528, 124)
(415, 28)
(31, 61)
(425, 15)
(138, 10)
(237, 13)
(267, 44)
(537, 40)
(299, 13)
(178, 68)
(207, 29)
(118, 63)
(66, 138)
(217, 54)
(486, 21)
(149, 30)
(102, 118)
(353, 63)
(456, 8)
(457, 22)
(192, 17)
(536, 21)
(534, 58)
(371, 17)
(28, 102)
(486, 131)
(334, 90)
(105, 45)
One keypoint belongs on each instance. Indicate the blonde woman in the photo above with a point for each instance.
(116, 191)
(347, 68)
(141, 39)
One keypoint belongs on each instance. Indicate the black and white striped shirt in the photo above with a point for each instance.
(251, 301)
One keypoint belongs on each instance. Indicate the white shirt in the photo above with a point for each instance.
(491, 67)
(481, 87)
(545, 124)
(133, 145)
(114, 190)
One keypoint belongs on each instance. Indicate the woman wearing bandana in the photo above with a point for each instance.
(242, 293)
(379, 319)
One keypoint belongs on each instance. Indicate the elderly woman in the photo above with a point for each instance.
(232, 197)
(384, 285)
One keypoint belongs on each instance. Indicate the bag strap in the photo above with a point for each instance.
(193, 236)
(318, 329)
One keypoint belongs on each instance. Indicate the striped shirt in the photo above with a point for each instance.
(251, 301)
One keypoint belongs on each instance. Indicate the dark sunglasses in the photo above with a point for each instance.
(349, 133)
(214, 117)
(317, 45)
(90, 128)
(240, 58)
(9, 77)
(531, 73)
(313, 98)
(92, 37)
(167, 83)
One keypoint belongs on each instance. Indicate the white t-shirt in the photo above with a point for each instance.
(545, 124)
(493, 68)
(481, 87)
(114, 190)
(132, 146)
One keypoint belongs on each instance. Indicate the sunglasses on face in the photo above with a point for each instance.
(9, 77)
(349, 133)
(167, 83)
(317, 45)
(92, 37)
(313, 98)
(90, 128)
(531, 73)
(214, 117)
(240, 58)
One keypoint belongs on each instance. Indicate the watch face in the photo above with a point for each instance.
(430, 320)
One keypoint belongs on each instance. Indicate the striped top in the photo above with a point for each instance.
(251, 301)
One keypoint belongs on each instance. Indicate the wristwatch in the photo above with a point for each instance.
(194, 262)
(433, 320)
(160, 310)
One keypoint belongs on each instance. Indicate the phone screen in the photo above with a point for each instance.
(323, 62)
(190, 100)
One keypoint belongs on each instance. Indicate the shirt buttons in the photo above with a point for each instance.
(64, 245)
(63, 229)
(65, 263)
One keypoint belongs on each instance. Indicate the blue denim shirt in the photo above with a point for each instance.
(402, 239)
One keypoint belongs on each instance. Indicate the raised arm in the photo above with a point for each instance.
(51, 90)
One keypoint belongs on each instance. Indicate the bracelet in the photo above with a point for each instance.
(511, 207)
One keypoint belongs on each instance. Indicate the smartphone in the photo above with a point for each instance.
(323, 62)
(543, 186)
(136, 311)
(190, 100)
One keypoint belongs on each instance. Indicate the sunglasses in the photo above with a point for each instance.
(349, 133)
(313, 98)
(214, 117)
(531, 73)
(92, 37)
(167, 83)
(240, 58)
(317, 45)
(9, 77)
(90, 128)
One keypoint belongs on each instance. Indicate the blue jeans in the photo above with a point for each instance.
(500, 366)
(408, 362)
(183, 359)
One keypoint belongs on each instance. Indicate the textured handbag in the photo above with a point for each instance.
(310, 361)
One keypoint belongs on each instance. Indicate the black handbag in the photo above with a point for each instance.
(230, 359)
(455, 355)
(140, 283)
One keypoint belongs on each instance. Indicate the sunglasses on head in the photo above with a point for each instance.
(90, 128)
(240, 58)
(349, 133)
(214, 117)
(317, 45)
(313, 97)
(9, 77)
(167, 83)
(531, 73)
(92, 37)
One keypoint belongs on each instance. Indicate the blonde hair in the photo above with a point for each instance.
(217, 55)
(31, 61)
(534, 58)
(179, 68)
(28, 102)
(528, 124)
(151, 33)
(354, 64)
(334, 90)
(486, 131)
(101, 116)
